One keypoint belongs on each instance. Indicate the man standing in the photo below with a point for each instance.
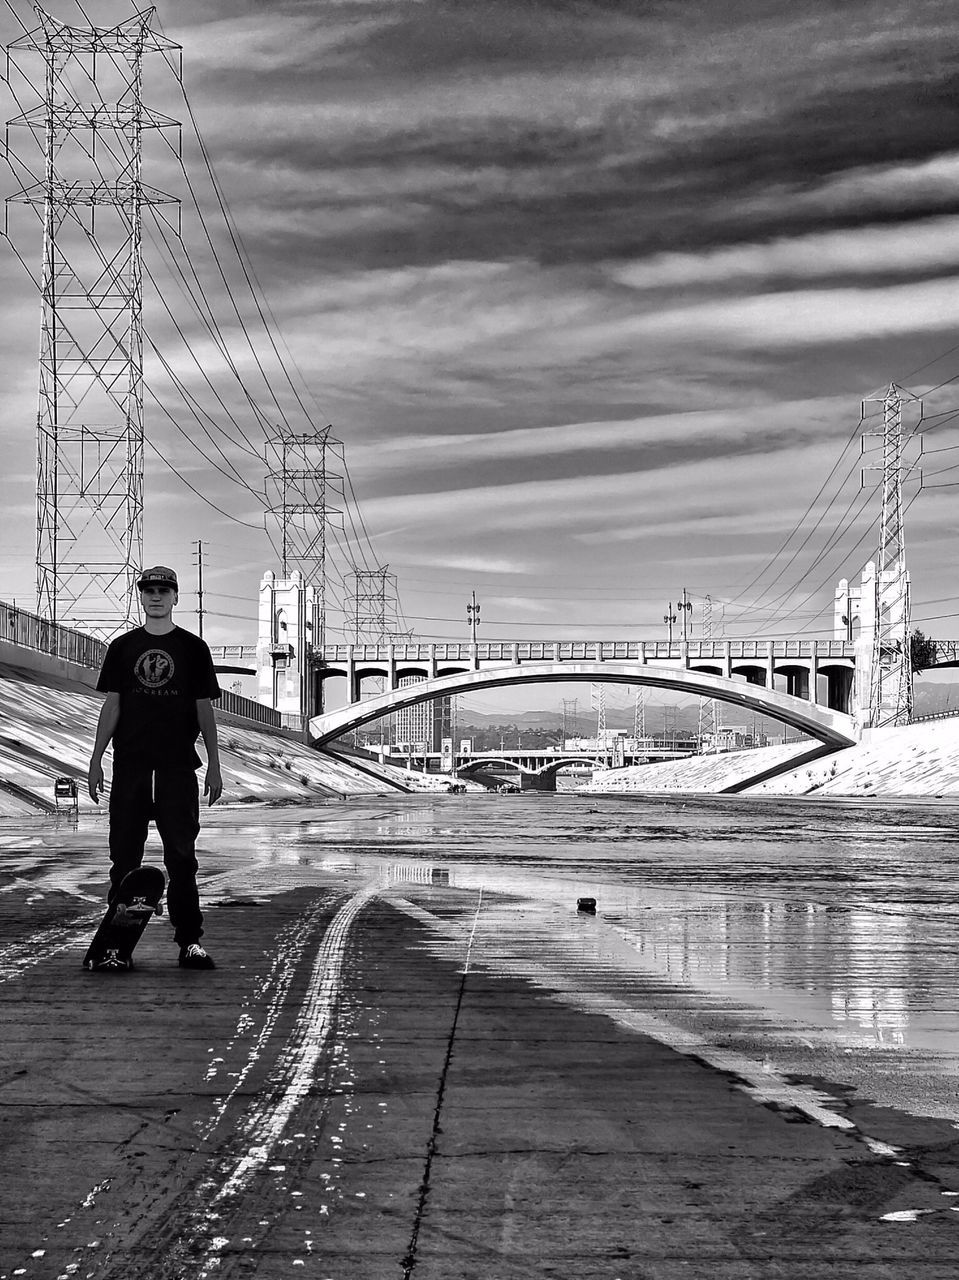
(160, 686)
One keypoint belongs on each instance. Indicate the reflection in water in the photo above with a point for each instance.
(832, 923)
(836, 915)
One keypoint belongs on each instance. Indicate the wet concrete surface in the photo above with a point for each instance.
(417, 1060)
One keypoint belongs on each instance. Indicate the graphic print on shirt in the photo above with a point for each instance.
(154, 669)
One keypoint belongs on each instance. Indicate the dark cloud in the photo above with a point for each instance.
(704, 152)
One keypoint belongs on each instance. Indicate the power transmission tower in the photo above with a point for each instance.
(708, 707)
(299, 483)
(890, 693)
(374, 605)
(90, 196)
(598, 702)
(373, 608)
(569, 717)
(639, 714)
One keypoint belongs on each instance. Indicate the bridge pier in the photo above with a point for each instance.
(755, 675)
(839, 686)
(391, 679)
(798, 682)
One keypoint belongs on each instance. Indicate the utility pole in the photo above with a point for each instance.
(199, 586)
(90, 197)
(473, 617)
(669, 618)
(890, 693)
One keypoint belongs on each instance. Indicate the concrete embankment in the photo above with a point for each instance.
(47, 727)
(920, 760)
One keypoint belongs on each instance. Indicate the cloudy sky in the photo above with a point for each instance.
(591, 292)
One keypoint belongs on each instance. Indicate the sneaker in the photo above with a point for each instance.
(194, 957)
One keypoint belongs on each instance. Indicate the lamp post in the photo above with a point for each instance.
(473, 617)
(669, 618)
(687, 608)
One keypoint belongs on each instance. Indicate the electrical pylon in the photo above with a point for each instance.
(639, 714)
(890, 693)
(708, 707)
(299, 482)
(598, 701)
(570, 710)
(90, 196)
(374, 605)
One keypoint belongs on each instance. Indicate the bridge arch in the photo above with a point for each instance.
(832, 728)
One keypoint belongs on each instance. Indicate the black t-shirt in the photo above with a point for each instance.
(159, 679)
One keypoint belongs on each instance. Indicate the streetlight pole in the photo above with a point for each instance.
(669, 618)
(687, 608)
(473, 617)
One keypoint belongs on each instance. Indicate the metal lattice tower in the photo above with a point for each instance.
(890, 694)
(299, 483)
(639, 714)
(708, 707)
(598, 701)
(374, 605)
(90, 196)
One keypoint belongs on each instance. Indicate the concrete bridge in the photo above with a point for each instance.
(538, 762)
(817, 687)
(800, 662)
(830, 726)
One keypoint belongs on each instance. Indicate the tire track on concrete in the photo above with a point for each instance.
(269, 1117)
(275, 988)
(166, 1208)
(226, 1205)
(19, 956)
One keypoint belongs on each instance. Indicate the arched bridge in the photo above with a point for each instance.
(833, 728)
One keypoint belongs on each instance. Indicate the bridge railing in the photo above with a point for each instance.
(29, 631)
(18, 626)
(585, 650)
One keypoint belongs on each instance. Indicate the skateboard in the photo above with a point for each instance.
(111, 950)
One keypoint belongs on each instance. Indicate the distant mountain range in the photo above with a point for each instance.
(929, 699)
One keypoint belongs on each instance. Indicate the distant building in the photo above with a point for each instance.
(424, 723)
(732, 738)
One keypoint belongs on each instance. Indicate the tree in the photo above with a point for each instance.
(922, 652)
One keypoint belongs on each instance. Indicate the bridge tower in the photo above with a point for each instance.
(89, 195)
(890, 668)
(288, 621)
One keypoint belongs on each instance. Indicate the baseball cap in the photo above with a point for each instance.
(158, 576)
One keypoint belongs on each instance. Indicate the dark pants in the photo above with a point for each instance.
(171, 797)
